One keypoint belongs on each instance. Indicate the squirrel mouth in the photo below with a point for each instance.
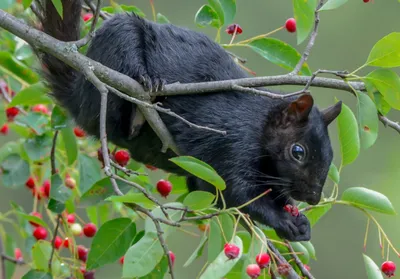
(312, 197)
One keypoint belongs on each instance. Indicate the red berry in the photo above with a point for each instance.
(290, 25)
(122, 157)
(87, 17)
(71, 218)
(11, 113)
(292, 209)
(307, 267)
(4, 86)
(253, 270)
(150, 167)
(288, 208)
(40, 108)
(70, 182)
(89, 275)
(58, 242)
(30, 183)
(283, 269)
(231, 29)
(89, 230)
(76, 229)
(164, 187)
(262, 260)
(366, 1)
(295, 211)
(66, 242)
(37, 214)
(18, 254)
(46, 188)
(40, 233)
(231, 251)
(79, 133)
(37, 192)
(82, 253)
(388, 268)
(121, 260)
(4, 129)
(172, 257)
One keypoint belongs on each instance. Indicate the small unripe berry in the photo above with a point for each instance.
(204, 227)
(76, 229)
(36, 214)
(231, 29)
(290, 25)
(58, 242)
(388, 268)
(30, 183)
(18, 254)
(70, 182)
(89, 230)
(40, 233)
(172, 257)
(82, 253)
(121, 260)
(164, 187)
(87, 17)
(71, 218)
(231, 251)
(262, 260)
(79, 133)
(12, 113)
(253, 270)
(40, 108)
(122, 157)
(4, 129)
(46, 188)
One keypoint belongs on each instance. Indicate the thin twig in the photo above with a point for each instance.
(11, 259)
(36, 11)
(53, 241)
(298, 262)
(89, 36)
(3, 258)
(52, 154)
(266, 93)
(389, 123)
(292, 274)
(311, 42)
(126, 171)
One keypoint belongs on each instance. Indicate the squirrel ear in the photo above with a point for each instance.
(301, 108)
(329, 114)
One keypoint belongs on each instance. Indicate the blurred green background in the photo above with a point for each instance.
(344, 41)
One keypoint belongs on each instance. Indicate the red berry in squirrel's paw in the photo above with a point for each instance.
(71, 218)
(388, 268)
(292, 209)
(122, 157)
(4, 129)
(87, 17)
(172, 257)
(46, 188)
(40, 108)
(18, 254)
(12, 113)
(58, 242)
(36, 214)
(89, 230)
(290, 25)
(30, 183)
(121, 260)
(231, 29)
(231, 251)
(79, 133)
(40, 233)
(70, 182)
(164, 187)
(262, 260)
(82, 253)
(253, 270)
(283, 269)
(76, 229)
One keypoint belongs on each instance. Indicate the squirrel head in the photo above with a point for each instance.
(297, 149)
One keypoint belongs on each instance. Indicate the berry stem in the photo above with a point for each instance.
(366, 235)
(256, 198)
(245, 42)
(153, 10)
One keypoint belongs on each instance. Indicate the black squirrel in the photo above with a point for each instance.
(282, 144)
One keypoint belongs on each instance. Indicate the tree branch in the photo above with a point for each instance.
(53, 241)
(389, 123)
(298, 262)
(84, 41)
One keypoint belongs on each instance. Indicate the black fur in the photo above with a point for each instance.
(254, 155)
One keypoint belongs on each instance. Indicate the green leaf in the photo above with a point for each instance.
(348, 135)
(206, 16)
(197, 252)
(10, 246)
(174, 215)
(368, 199)
(89, 170)
(386, 52)
(56, 206)
(41, 252)
(111, 242)
(217, 7)
(179, 183)
(162, 19)
(215, 245)
(58, 190)
(32, 95)
(103, 189)
(59, 119)
(23, 52)
(301, 251)
(34, 274)
(228, 224)
(221, 266)
(138, 198)
(159, 271)
(142, 257)
(59, 7)
(332, 4)
(200, 169)
(35, 120)
(382, 106)
(5, 4)
(367, 120)
(315, 213)
(225, 9)
(91, 212)
(26, 3)
(9, 148)
(310, 248)
(199, 200)
(387, 82)
(246, 239)
(70, 144)
(334, 173)
(38, 147)
(373, 271)
(11, 66)
(34, 219)
(279, 53)
(304, 15)
(15, 171)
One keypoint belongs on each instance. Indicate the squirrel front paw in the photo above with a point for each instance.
(294, 228)
(152, 84)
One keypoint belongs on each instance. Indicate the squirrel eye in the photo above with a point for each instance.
(298, 152)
